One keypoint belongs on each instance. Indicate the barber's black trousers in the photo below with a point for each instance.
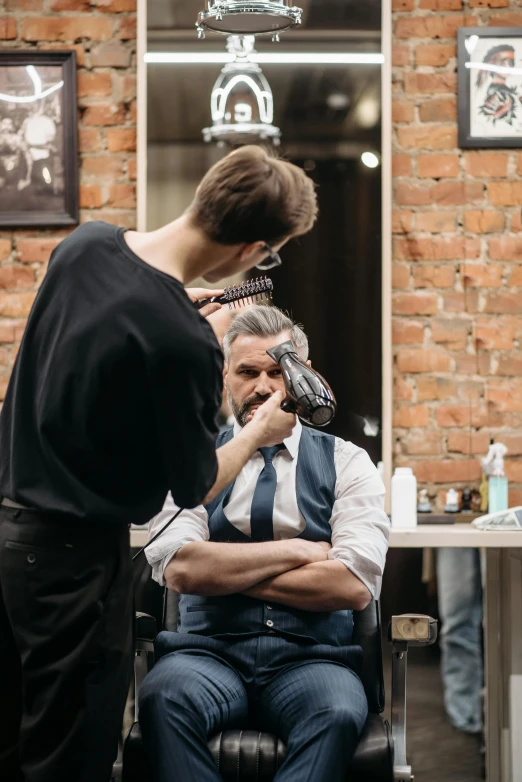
(65, 647)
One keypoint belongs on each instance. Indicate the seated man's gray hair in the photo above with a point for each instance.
(263, 321)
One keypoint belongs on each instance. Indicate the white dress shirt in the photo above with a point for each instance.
(360, 527)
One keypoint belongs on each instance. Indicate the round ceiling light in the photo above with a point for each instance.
(235, 17)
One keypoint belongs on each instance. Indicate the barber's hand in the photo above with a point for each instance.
(272, 423)
(197, 294)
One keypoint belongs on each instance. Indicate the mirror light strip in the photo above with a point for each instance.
(282, 58)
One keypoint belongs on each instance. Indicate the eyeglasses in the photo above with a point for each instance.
(273, 260)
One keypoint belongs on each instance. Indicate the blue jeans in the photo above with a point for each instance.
(318, 708)
(460, 607)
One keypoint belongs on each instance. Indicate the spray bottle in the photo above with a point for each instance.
(493, 466)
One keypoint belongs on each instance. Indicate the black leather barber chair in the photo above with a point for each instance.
(251, 756)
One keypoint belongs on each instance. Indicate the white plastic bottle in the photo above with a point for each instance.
(404, 498)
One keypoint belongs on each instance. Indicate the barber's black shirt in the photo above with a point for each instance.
(114, 394)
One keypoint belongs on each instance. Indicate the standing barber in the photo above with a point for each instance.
(112, 403)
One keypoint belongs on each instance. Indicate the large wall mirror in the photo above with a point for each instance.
(326, 78)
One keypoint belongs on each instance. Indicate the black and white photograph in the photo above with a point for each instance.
(490, 87)
(38, 139)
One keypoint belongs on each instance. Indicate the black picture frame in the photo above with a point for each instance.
(502, 103)
(38, 140)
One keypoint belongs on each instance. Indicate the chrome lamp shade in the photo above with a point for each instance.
(235, 17)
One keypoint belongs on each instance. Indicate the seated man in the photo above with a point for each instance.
(265, 629)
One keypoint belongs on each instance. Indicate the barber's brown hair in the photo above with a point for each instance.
(251, 196)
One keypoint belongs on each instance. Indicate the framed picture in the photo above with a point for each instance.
(38, 139)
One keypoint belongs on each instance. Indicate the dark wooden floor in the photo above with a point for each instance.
(436, 751)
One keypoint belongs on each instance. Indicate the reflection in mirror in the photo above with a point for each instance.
(325, 78)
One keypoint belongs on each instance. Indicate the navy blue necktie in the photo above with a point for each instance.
(262, 510)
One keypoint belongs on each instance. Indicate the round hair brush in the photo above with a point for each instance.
(253, 291)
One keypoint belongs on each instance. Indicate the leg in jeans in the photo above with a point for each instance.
(67, 599)
(460, 607)
(184, 700)
(319, 710)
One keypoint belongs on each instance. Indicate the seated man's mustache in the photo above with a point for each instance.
(255, 400)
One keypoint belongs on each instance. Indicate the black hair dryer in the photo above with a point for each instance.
(307, 393)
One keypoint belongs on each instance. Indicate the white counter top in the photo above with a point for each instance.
(423, 536)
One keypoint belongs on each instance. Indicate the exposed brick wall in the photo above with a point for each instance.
(103, 33)
(457, 268)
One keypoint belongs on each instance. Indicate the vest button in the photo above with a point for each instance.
(270, 623)
(269, 608)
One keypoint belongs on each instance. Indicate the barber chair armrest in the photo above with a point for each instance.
(145, 630)
(404, 631)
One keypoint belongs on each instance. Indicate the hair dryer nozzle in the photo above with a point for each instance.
(307, 392)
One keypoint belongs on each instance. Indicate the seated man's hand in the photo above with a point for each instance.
(274, 424)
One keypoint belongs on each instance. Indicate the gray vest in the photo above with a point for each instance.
(239, 615)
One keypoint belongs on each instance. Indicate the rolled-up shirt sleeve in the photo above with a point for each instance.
(360, 525)
(190, 526)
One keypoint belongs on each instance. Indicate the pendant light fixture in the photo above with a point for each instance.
(261, 17)
(241, 102)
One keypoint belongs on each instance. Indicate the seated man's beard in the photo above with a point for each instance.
(242, 411)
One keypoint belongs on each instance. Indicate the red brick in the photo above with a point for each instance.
(462, 415)
(486, 164)
(91, 197)
(122, 197)
(493, 334)
(66, 28)
(412, 195)
(411, 415)
(402, 5)
(131, 168)
(435, 54)
(5, 249)
(128, 28)
(436, 166)
(429, 387)
(400, 275)
(427, 137)
(133, 112)
(466, 443)
(505, 248)
(435, 26)
(504, 302)
(506, 394)
(437, 222)
(402, 111)
(407, 332)
(448, 470)
(111, 55)
(516, 221)
(488, 3)
(402, 221)
(509, 365)
(513, 443)
(515, 497)
(422, 443)
(23, 5)
(94, 84)
(120, 217)
(457, 301)
(103, 167)
(400, 56)
(104, 114)
(16, 305)
(426, 276)
(401, 165)
(121, 140)
(78, 48)
(402, 390)
(7, 28)
(481, 221)
(116, 6)
(128, 87)
(7, 330)
(89, 140)
(505, 193)
(417, 303)
(16, 277)
(35, 250)
(410, 360)
(4, 381)
(481, 275)
(515, 278)
(430, 83)
(453, 333)
(440, 5)
(513, 470)
(438, 110)
(508, 20)
(70, 5)
(436, 248)
(457, 193)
